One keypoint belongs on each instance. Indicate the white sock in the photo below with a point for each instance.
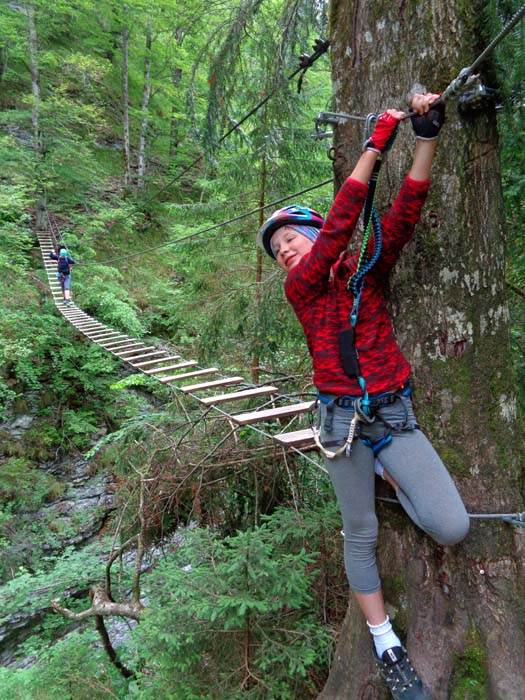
(384, 636)
(378, 468)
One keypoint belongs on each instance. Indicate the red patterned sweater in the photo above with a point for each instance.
(323, 304)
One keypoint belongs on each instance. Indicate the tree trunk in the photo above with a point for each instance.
(41, 202)
(146, 93)
(255, 369)
(125, 102)
(460, 609)
(4, 58)
(176, 78)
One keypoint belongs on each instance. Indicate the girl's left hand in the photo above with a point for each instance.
(421, 103)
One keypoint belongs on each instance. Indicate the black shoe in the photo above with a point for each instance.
(400, 675)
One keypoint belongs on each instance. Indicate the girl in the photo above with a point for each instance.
(361, 375)
(64, 272)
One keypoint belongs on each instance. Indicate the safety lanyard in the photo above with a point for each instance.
(366, 262)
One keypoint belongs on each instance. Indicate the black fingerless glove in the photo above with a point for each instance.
(427, 126)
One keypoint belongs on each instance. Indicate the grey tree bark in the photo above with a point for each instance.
(452, 605)
(41, 202)
(176, 78)
(146, 93)
(125, 101)
(4, 60)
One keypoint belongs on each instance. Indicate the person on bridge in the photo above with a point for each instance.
(65, 263)
(361, 376)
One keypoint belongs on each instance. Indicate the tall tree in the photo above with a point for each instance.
(29, 10)
(451, 316)
(176, 77)
(125, 98)
(146, 93)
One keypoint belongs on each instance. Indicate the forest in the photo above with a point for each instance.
(151, 547)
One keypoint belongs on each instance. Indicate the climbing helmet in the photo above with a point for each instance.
(287, 216)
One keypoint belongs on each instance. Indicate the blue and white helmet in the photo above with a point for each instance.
(287, 216)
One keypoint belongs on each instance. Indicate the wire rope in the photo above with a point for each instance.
(190, 236)
(320, 48)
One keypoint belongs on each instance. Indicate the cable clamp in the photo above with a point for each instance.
(518, 519)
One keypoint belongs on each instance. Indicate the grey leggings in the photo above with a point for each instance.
(426, 490)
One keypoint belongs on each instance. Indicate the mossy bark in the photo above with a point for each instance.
(451, 318)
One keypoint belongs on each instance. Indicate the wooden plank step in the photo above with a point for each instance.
(155, 362)
(123, 349)
(295, 438)
(134, 351)
(108, 332)
(140, 357)
(120, 339)
(239, 395)
(121, 344)
(228, 381)
(187, 375)
(103, 337)
(157, 370)
(272, 413)
(108, 342)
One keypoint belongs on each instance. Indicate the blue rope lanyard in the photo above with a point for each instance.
(366, 262)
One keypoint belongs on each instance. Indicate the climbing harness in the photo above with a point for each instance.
(360, 416)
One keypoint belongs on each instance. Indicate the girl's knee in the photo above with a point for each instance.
(453, 529)
(364, 527)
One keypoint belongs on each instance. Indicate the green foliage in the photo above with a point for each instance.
(470, 679)
(109, 302)
(71, 570)
(25, 488)
(72, 669)
(245, 605)
(254, 595)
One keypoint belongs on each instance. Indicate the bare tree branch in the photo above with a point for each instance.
(101, 605)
